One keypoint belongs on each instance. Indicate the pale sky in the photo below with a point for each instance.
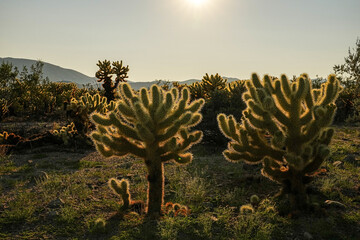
(180, 39)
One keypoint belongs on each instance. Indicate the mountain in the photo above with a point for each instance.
(59, 74)
(53, 72)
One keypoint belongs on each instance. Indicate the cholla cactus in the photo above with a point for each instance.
(104, 74)
(176, 209)
(213, 82)
(121, 188)
(196, 91)
(80, 110)
(65, 133)
(155, 128)
(236, 87)
(285, 126)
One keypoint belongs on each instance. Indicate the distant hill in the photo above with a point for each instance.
(59, 74)
(53, 72)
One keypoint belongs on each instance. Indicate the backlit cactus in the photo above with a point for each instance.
(104, 74)
(196, 91)
(121, 188)
(66, 133)
(213, 82)
(285, 126)
(10, 138)
(80, 110)
(152, 126)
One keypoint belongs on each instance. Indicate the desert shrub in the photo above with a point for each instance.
(349, 75)
(28, 93)
(347, 108)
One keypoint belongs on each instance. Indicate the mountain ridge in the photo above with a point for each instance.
(59, 74)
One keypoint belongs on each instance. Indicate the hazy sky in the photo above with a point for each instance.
(178, 39)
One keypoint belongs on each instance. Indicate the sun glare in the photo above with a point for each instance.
(197, 2)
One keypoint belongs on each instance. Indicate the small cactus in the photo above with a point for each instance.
(65, 133)
(176, 209)
(247, 209)
(98, 226)
(121, 188)
(254, 200)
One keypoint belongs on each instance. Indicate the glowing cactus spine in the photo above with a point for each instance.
(285, 126)
(155, 128)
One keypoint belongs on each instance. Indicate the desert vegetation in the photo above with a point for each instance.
(264, 158)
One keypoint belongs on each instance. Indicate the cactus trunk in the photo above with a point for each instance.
(155, 178)
(296, 189)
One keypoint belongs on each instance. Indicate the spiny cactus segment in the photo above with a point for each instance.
(254, 200)
(66, 133)
(152, 126)
(176, 209)
(10, 138)
(285, 126)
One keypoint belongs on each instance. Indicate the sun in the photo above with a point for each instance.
(197, 2)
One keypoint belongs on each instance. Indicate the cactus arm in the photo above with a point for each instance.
(180, 143)
(168, 121)
(320, 156)
(106, 152)
(283, 102)
(285, 85)
(183, 158)
(120, 145)
(126, 110)
(132, 148)
(273, 171)
(235, 157)
(188, 141)
(281, 117)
